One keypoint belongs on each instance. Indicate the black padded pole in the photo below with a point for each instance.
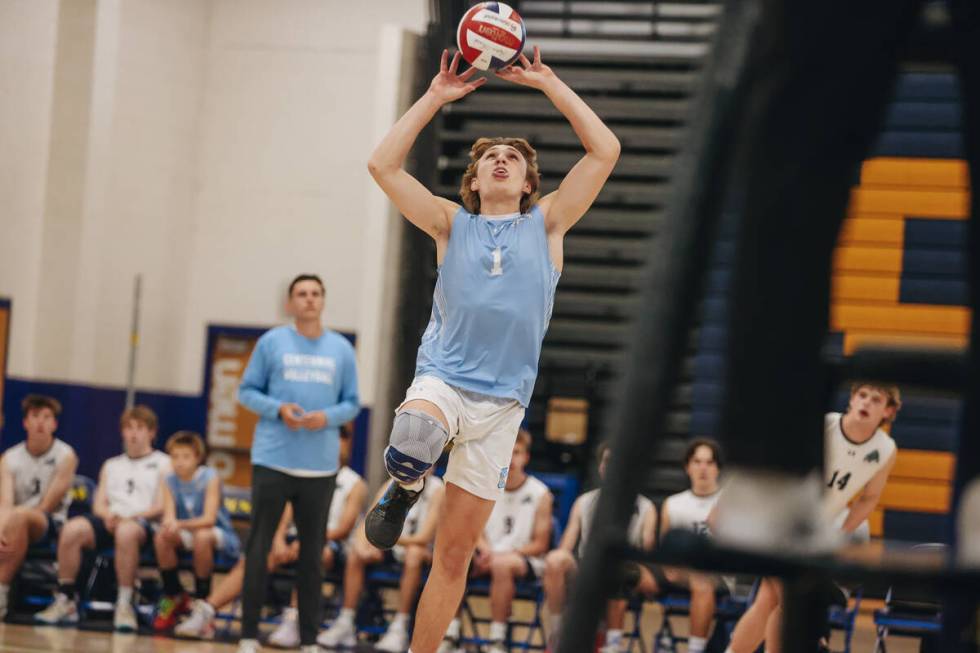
(670, 294)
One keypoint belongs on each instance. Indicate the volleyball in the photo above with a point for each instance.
(491, 35)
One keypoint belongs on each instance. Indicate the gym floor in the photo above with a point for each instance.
(29, 639)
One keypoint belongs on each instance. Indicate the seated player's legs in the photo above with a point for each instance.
(200, 624)
(560, 567)
(395, 638)
(79, 534)
(286, 635)
(505, 570)
(24, 527)
(129, 537)
(760, 617)
(175, 601)
(343, 631)
(417, 556)
(703, 588)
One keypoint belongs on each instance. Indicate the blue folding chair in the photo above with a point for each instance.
(729, 607)
(909, 611)
(844, 617)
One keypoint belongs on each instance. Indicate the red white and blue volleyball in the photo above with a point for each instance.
(491, 35)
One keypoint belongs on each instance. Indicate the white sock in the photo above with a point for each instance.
(413, 487)
(498, 631)
(614, 636)
(453, 631)
(729, 650)
(696, 644)
(346, 614)
(125, 595)
(4, 590)
(399, 621)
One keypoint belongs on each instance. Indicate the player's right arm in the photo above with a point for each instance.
(352, 508)
(430, 213)
(6, 492)
(665, 519)
(100, 504)
(569, 538)
(60, 484)
(649, 529)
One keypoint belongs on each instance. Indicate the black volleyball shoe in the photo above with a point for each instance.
(383, 525)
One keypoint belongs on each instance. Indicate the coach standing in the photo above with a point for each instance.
(302, 381)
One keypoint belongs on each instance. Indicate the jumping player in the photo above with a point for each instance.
(859, 458)
(500, 256)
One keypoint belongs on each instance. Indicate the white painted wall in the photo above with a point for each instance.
(28, 30)
(224, 151)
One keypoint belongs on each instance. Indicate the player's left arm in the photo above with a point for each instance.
(64, 474)
(565, 206)
(541, 535)
(864, 505)
(649, 529)
(352, 508)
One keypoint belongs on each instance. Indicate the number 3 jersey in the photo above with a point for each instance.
(33, 474)
(131, 484)
(849, 466)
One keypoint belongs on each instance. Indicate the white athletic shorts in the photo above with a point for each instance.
(483, 428)
(187, 539)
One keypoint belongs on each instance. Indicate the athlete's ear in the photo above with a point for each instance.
(474, 185)
(527, 188)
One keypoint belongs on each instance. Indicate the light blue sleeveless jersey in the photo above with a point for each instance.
(491, 305)
(189, 499)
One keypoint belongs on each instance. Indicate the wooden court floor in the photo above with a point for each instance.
(29, 639)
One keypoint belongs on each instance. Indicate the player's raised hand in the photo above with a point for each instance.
(528, 73)
(449, 85)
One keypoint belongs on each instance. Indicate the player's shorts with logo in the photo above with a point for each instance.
(483, 430)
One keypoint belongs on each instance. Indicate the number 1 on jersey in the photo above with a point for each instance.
(497, 268)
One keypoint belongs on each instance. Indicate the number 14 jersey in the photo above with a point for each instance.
(849, 466)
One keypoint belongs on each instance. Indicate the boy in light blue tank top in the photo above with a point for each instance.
(195, 520)
(499, 257)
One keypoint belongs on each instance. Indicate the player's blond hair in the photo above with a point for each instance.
(892, 394)
(471, 198)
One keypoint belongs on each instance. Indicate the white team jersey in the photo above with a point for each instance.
(511, 523)
(850, 466)
(33, 474)
(688, 511)
(586, 510)
(347, 478)
(131, 484)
